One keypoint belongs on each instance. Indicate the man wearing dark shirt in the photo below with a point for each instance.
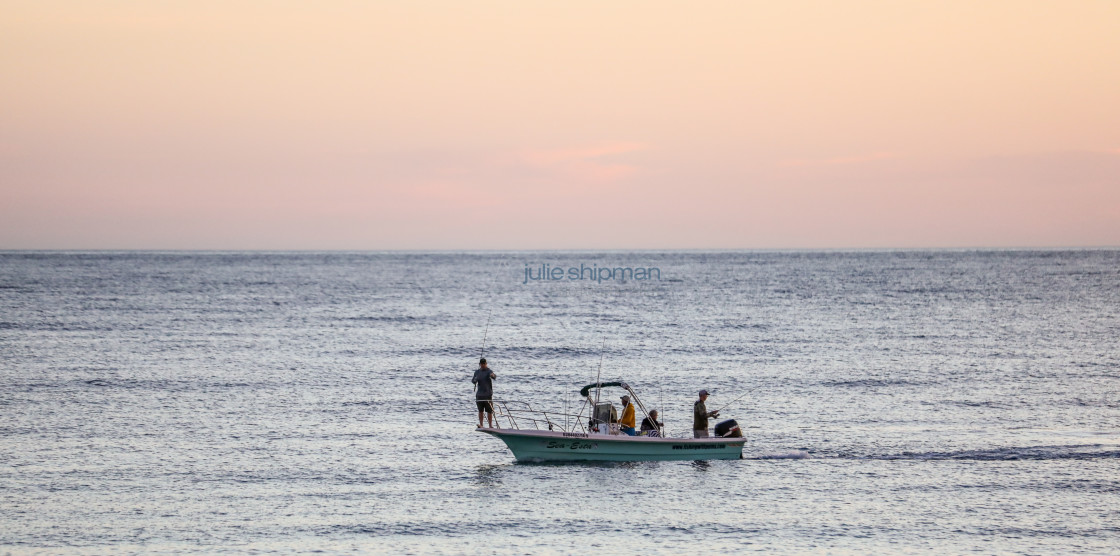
(650, 425)
(484, 392)
(700, 416)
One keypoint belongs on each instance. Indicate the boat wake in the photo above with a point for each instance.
(1020, 453)
(1012, 453)
(1079, 451)
(792, 454)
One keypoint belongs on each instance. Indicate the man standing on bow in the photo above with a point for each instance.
(484, 392)
(700, 416)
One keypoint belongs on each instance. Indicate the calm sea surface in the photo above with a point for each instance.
(911, 401)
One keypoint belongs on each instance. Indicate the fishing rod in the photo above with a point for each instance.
(485, 331)
(661, 392)
(480, 357)
(598, 384)
(731, 402)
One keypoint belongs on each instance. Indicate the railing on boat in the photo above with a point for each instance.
(521, 415)
(518, 413)
(599, 415)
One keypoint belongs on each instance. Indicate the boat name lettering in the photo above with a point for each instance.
(699, 446)
(575, 435)
(554, 445)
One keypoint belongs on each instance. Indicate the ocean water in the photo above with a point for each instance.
(894, 401)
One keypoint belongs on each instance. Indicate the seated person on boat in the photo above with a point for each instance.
(651, 426)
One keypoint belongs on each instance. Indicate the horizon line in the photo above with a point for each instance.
(563, 250)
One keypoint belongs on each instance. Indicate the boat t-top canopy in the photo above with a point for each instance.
(593, 416)
(586, 391)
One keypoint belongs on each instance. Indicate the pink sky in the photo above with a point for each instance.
(521, 125)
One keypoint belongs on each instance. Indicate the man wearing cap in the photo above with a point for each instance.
(484, 392)
(700, 416)
(626, 423)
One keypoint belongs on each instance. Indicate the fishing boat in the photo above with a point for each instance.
(593, 434)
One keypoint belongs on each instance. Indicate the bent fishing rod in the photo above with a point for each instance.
(485, 331)
(731, 402)
(483, 355)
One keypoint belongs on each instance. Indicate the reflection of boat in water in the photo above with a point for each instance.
(593, 434)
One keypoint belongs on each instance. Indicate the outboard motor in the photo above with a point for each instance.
(728, 429)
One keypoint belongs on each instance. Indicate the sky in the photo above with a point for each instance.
(427, 124)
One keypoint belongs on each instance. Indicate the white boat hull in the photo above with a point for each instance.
(542, 446)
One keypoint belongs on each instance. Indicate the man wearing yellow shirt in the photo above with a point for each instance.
(626, 423)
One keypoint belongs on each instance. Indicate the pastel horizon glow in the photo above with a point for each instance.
(576, 125)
